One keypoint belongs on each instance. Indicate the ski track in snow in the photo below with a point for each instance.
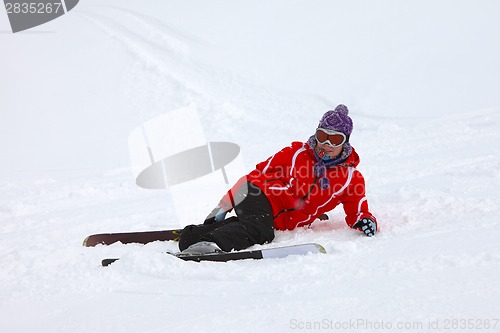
(432, 183)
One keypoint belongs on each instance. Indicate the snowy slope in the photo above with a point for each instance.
(421, 80)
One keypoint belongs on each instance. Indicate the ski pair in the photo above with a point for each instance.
(144, 237)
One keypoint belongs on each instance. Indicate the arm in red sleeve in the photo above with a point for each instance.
(355, 202)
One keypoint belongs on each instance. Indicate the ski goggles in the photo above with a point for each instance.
(331, 137)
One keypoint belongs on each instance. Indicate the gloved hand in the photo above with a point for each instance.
(366, 225)
(218, 214)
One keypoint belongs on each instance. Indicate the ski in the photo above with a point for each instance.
(275, 252)
(141, 237)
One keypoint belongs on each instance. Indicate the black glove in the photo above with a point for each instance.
(366, 225)
(218, 214)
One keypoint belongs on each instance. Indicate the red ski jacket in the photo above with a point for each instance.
(288, 180)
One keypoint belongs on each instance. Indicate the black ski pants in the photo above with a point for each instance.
(253, 224)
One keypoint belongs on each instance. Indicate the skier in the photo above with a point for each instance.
(290, 189)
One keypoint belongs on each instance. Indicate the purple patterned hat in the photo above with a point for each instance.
(337, 120)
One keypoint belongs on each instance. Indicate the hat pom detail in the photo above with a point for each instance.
(342, 109)
(324, 183)
(320, 172)
(319, 169)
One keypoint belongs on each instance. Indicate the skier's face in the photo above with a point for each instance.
(329, 150)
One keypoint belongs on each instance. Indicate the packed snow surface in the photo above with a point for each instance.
(421, 79)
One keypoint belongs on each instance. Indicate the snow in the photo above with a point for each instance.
(421, 79)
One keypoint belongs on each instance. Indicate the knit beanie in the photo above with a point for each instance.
(337, 120)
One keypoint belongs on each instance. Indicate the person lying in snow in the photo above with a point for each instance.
(290, 189)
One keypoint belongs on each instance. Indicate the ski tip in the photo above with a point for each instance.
(107, 262)
(91, 241)
(320, 248)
